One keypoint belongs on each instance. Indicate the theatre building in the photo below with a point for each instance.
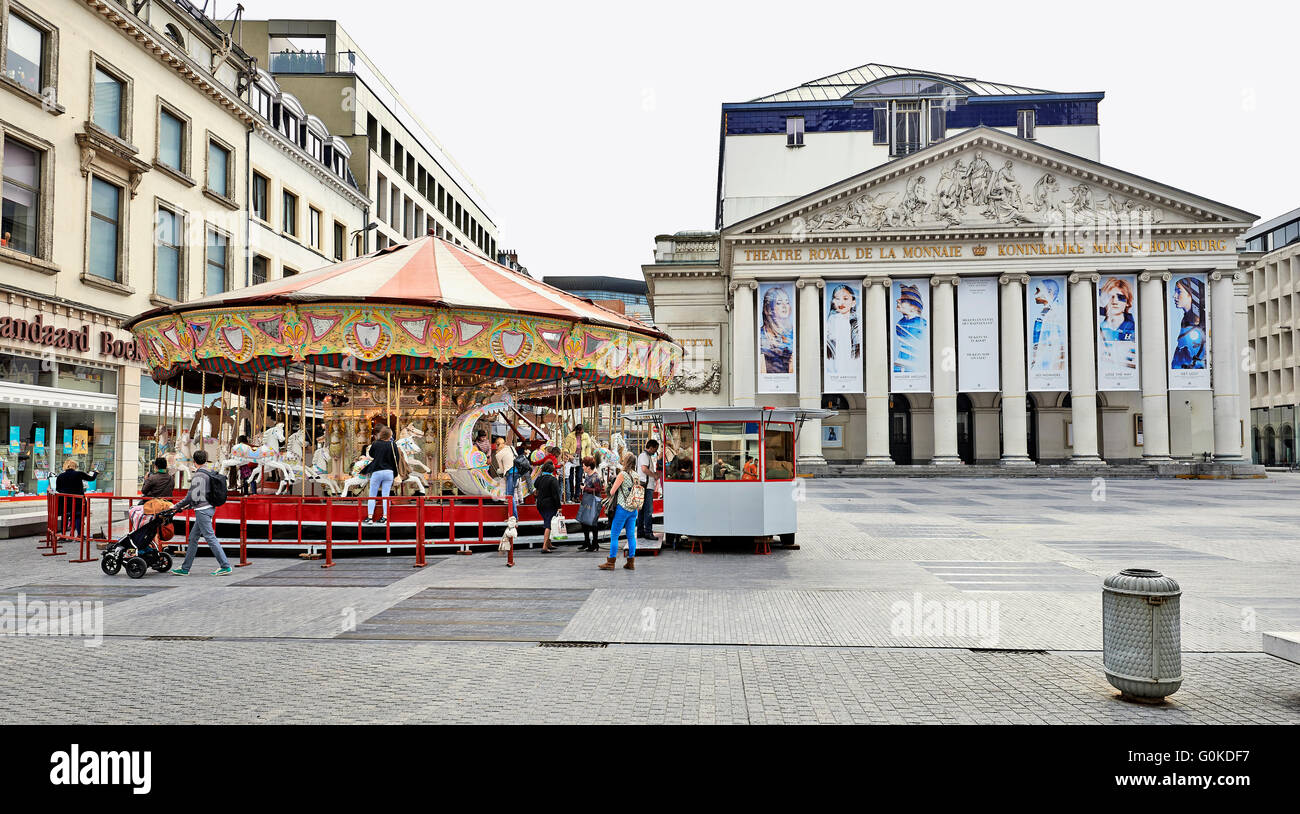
(948, 264)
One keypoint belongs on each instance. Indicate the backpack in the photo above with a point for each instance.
(635, 496)
(523, 466)
(216, 489)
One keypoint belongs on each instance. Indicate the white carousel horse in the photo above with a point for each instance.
(266, 455)
(409, 446)
(318, 472)
(361, 481)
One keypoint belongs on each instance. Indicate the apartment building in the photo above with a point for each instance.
(1271, 321)
(414, 186)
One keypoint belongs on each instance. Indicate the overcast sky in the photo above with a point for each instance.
(593, 127)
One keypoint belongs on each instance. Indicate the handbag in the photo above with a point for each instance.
(589, 512)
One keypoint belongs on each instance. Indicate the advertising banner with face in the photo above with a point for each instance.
(977, 335)
(909, 341)
(1047, 335)
(776, 338)
(1117, 333)
(842, 338)
(1189, 333)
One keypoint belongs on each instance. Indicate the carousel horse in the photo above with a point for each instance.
(266, 456)
(466, 464)
(361, 480)
(409, 445)
(318, 472)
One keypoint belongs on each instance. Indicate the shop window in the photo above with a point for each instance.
(679, 452)
(25, 370)
(87, 379)
(729, 451)
(778, 452)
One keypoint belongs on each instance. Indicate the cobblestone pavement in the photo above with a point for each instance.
(842, 630)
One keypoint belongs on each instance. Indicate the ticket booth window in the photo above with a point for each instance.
(726, 448)
(778, 452)
(679, 452)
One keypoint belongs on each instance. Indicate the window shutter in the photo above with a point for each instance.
(880, 126)
(938, 123)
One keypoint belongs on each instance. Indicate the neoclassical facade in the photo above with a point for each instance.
(985, 299)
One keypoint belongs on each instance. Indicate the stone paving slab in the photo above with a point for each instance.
(353, 572)
(317, 682)
(445, 614)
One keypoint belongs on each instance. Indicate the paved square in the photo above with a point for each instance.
(825, 633)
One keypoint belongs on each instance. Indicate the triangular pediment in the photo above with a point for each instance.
(985, 179)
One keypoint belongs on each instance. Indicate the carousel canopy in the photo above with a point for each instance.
(407, 307)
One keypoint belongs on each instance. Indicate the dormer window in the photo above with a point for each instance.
(174, 34)
(289, 125)
(794, 131)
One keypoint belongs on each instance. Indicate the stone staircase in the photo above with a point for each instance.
(1196, 470)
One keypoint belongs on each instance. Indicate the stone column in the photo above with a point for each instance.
(744, 363)
(1015, 429)
(876, 321)
(1083, 367)
(127, 443)
(943, 370)
(1225, 359)
(810, 369)
(1241, 295)
(1155, 366)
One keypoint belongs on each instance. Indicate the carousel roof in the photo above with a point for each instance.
(426, 271)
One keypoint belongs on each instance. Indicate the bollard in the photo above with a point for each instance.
(1141, 637)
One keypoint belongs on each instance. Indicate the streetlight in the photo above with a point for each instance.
(368, 227)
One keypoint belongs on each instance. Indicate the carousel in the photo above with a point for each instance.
(442, 346)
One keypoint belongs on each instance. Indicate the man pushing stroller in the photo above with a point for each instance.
(207, 491)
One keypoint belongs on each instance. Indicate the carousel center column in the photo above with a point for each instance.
(945, 373)
(744, 365)
(1083, 364)
(1015, 423)
(1224, 360)
(810, 371)
(876, 321)
(1155, 379)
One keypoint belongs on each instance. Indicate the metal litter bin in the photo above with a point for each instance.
(1141, 639)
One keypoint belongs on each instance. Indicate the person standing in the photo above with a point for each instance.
(505, 461)
(381, 469)
(589, 514)
(647, 464)
(548, 502)
(579, 445)
(159, 483)
(72, 481)
(624, 518)
(197, 499)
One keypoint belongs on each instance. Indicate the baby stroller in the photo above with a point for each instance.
(137, 550)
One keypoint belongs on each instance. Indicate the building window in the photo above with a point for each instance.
(218, 169)
(167, 261)
(907, 128)
(105, 231)
(315, 146)
(1026, 120)
(794, 131)
(372, 132)
(340, 240)
(289, 125)
(938, 123)
(108, 104)
(259, 269)
(410, 169)
(171, 140)
(395, 208)
(260, 202)
(26, 59)
(385, 146)
(290, 207)
(313, 227)
(399, 157)
(261, 99)
(20, 224)
(288, 272)
(880, 126)
(217, 262)
(381, 198)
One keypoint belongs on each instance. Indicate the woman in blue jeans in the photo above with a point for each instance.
(624, 518)
(383, 466)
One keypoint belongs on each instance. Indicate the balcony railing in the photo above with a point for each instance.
(298, 62)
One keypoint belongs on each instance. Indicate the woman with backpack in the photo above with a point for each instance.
(627, 495)
(381, 469)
